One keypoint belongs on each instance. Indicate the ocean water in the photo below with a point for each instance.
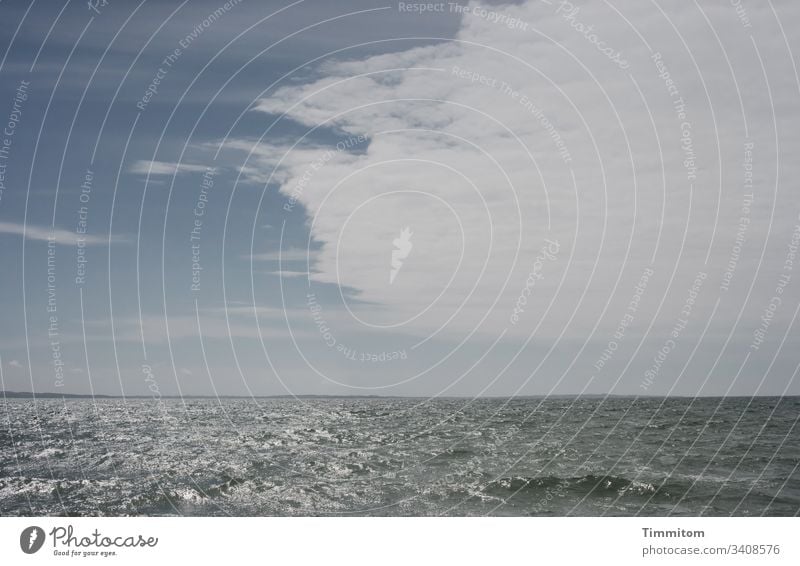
(520, 457)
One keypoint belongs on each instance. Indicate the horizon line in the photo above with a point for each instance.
(54, 395)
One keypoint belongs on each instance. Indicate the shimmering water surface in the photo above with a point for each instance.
(562, 456)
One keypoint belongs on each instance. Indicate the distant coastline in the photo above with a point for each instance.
(51, 395)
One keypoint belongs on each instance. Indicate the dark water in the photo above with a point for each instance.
(401, 457)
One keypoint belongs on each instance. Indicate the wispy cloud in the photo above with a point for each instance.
(289, 254)
(143, 167)
(61, 236)
(244, 310)
(157, 329)
(288, 274)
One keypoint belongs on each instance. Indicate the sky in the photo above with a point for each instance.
(393, 198)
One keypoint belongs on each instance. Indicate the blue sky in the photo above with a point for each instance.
(206, 198)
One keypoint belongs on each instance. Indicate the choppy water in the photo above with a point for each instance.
(401, 457)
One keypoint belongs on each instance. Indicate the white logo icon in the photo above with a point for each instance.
(403, 247)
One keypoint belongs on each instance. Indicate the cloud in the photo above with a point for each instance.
(492, 145)
(143, 167)
(157, 329)
(59, 235)
(15, 364)
(244, 310)
(289, 254)
(288, 274)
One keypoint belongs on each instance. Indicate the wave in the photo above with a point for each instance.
(588, 485)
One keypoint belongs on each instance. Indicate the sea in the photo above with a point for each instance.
(562, 456)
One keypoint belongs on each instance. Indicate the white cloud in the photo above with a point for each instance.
(289, 254)
(59, 235)
(213, 325)
(244, 310)
(143, 167)
(287, 274)
(474, 144)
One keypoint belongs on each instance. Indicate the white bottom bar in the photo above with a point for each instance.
(387, 541)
